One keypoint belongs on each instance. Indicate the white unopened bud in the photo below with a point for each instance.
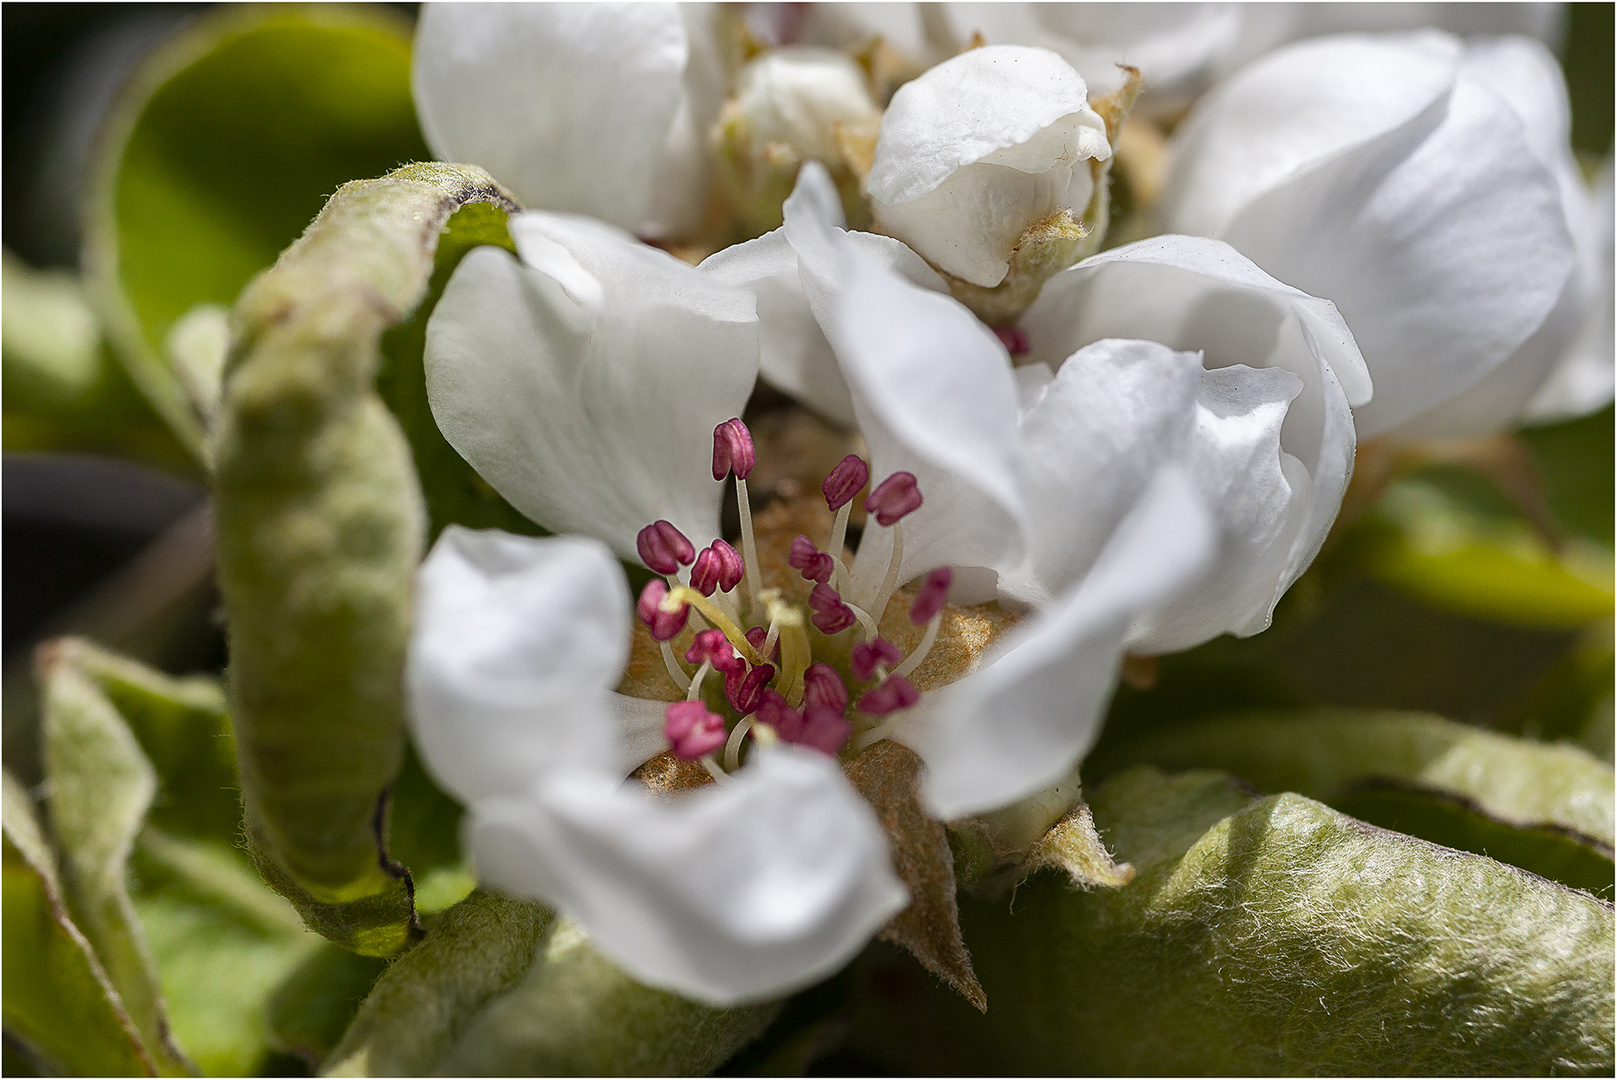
(979, 150)
(792, 105)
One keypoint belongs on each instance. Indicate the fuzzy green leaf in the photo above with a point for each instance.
(321, 525)
(1265, 936)
(502, 987)
(58, 999)
(224, 146)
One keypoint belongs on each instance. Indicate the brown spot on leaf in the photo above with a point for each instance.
(930, 927)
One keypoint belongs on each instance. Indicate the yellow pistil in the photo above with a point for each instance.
(684, 594)
(796, 653)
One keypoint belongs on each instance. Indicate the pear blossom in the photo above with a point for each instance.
(978, 150)
(599, 109)
(1425, 186)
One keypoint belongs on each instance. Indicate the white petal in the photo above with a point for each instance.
(979, 149)
(584, 383)
(798, 95)
(515, 643)
(1441, 239)
(1197, 295)
(1582, 380)
(934, 395)
(1292, 111)
(1030, 713)
(736, 892)
(579, 107)
(1115, 414)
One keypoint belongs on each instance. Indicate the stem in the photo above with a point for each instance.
(749, 548)
(710, 611)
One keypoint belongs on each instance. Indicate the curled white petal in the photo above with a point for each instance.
(740, 891)
(515, 642)
(1425, 215)
(584, 382)
(1201, 296)
(1032, 710)
(601, 109)
(798, 96)
(980, 148)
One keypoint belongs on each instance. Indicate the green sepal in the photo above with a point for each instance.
(1263, 936)
(224, 144)
(503, 987)
(321, 525)
(58, 1001)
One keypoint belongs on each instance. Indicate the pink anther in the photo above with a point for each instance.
(824, 730)
(665, 624)
(745, 690)
(732, 450)
(833, 620)
(894, 693)
(756, 638)
(815, 564)
(824, 598)
(842, 483)
(893, 498)
(692, 730)
(663, 547)
(719, 566)
(868, 656)
(1014, 338)
(824, 687)
(712, 647)
(932, 596)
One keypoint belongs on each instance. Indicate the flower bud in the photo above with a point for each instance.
(980, 150)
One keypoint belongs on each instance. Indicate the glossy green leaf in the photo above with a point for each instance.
(58, 1000)
(1264, 936)
(1322, 752)
(321, 525)
(101, 785)
(225, 144)
(502, 987)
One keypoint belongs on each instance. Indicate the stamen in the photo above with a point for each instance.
(745, 691)
(733, 450)
(824, 598)
(1014, 338)
(694, 691)
(842, 483)
(663, 547)
(815, 564)
(675, 672)
(834, 620)
(712, 647)
(822, 686)
(713, 770)
(890, 579)
(733, 453)
(717, 567)
(825, 730)
(767, 642)
(894, 693)
(870, 655)
(692, 730)
(894, 498)
(663, 610)
(932, 595)
(773, 712)
(914, 659)
(865, 621)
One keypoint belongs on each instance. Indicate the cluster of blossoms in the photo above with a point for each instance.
(1079, 454)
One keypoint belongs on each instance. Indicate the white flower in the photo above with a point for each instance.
(600, 109)
(1425, 188)
(978, 150)
(739, 891)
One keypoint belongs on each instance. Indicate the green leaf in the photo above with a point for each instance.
(320, 529)
(1322, 752)
(1264, 936)
(64, 390)
(501, 986)
(58, 999)
(313, 1006)
(1431, 542)
(226, 143)
(1575, 461)
(100, 787)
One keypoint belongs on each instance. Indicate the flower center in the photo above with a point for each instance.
(761, 667)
